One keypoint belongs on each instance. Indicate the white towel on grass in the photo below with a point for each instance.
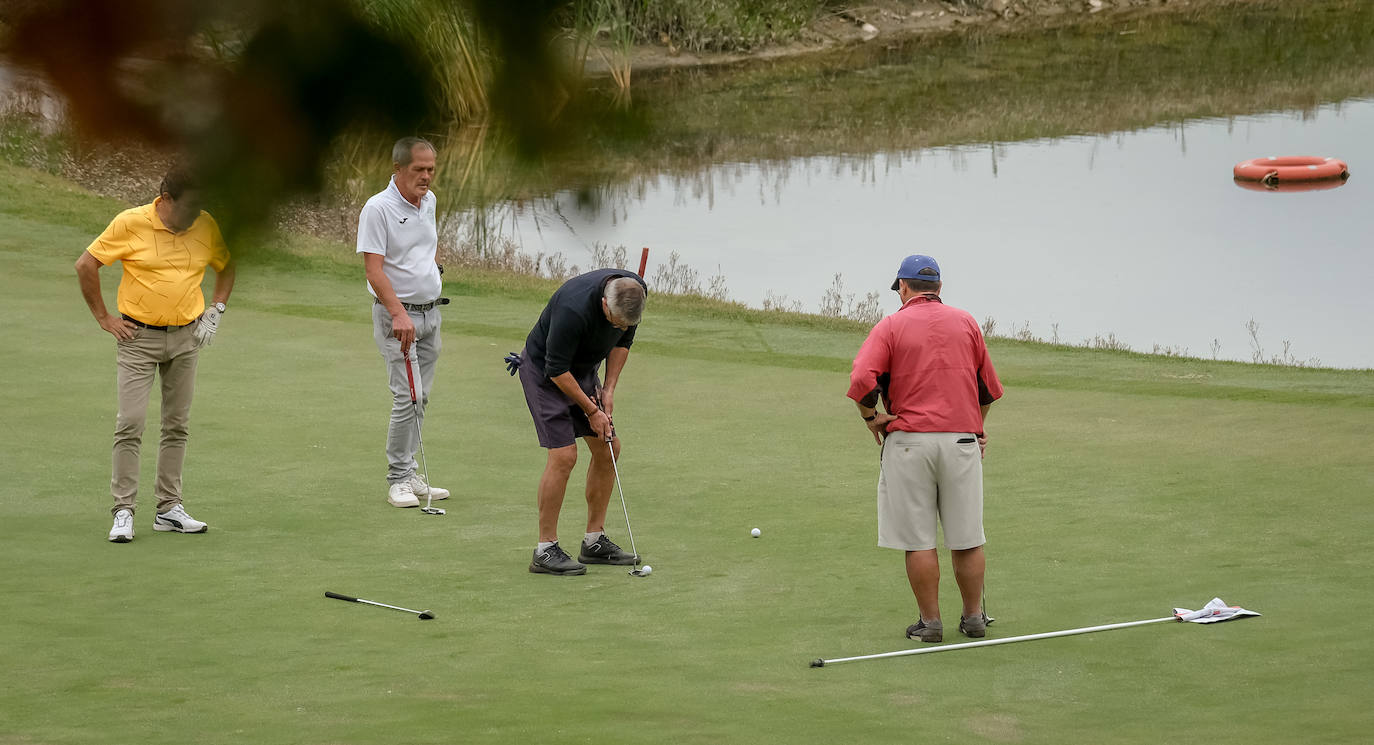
(1213, 612)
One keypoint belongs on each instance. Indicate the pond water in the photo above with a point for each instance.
(1141, 236)
(1137, 237)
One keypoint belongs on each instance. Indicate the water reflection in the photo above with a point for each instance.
(1141, 234)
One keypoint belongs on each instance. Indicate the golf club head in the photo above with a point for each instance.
(426, 615)
(637, 572)
(433, 510)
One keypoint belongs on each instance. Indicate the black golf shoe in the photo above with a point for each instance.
(554, 560)
(604, 551)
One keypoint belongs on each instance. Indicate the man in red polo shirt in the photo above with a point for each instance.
(929, 364)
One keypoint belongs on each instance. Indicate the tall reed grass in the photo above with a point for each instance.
(447, 35)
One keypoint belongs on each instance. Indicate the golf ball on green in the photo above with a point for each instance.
(756, 532)
(646, 571)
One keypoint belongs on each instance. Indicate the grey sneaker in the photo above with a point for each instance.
(974, 627)
(926, 631)
(554, 560)
(604, 551)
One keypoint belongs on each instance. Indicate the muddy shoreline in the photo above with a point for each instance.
(889, 21)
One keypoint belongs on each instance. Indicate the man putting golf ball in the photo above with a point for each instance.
(591, 319)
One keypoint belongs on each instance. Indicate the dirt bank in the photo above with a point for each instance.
(878, 21)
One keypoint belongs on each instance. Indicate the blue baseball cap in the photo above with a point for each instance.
(911, 269)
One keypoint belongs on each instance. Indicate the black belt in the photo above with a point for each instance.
(418, 307)
(143, 325)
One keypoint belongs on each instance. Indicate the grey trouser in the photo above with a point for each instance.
(403, 437)
(172, 355)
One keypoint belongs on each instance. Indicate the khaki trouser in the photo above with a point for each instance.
(172, 356)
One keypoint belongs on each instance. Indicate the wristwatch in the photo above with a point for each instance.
(870, 418)
(220, 307)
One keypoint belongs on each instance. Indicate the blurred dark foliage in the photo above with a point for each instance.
(528, 91)
(258, 120)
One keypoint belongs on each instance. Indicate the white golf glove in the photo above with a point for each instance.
(208, 325)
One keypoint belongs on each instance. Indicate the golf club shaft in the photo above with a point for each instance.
(419, 427)
(424, 463)
(991, 642)
(352, 599)
(611, 447)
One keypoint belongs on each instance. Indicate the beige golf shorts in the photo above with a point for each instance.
(930, 476)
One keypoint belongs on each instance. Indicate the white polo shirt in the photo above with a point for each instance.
(408, 238)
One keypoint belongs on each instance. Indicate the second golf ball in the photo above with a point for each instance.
(756, 532)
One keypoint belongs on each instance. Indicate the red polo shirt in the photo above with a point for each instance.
(935, 369)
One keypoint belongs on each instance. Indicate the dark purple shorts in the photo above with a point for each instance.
(557, 421)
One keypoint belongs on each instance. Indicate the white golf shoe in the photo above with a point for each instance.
(402, 494)
(123, 530)
(421, 489)
(176, 520)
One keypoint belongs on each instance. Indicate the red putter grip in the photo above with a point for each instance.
(410, 377)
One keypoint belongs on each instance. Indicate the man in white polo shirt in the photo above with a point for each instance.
(399, 241)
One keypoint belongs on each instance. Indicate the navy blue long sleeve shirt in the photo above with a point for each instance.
(572, 334)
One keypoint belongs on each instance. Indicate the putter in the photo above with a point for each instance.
(636, 571)
(415, 405)
(424, 615)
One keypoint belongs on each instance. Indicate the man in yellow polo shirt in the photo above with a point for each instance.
(164, 248)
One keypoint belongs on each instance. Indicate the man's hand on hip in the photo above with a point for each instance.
(118, 327)
(207, 326)
(878, 425)
(403, 330)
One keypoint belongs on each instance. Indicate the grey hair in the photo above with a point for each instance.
(403, 152)
(625, 298)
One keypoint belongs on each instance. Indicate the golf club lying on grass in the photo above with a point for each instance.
(1215, 611)
(415, 406)
(424, 615)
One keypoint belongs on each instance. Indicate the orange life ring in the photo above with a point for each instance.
(1334, 183)
(1276, 170)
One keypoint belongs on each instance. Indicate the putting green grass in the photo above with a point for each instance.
(1118, 486)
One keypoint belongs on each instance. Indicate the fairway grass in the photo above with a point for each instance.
(1118, 487)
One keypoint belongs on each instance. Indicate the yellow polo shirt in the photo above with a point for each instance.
(162, 269)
